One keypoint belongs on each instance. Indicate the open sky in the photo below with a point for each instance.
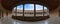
(30, 7)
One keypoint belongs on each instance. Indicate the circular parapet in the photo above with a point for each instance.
(39, 18)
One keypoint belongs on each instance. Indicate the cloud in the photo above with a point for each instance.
(45, 7)
(39, 7)
(18, 8)
(30, 7)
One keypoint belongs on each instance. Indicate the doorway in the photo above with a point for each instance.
(59, 13)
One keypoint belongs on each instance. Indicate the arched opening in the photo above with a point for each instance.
(31, 12)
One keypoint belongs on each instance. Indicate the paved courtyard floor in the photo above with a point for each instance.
(9, 20)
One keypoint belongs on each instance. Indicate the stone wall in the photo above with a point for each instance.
(55, 13)
(3, 10)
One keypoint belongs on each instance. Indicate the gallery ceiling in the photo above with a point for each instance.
(9, 4)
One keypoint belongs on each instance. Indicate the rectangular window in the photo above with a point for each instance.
(29, 10)
(20, 10)
(39, 10)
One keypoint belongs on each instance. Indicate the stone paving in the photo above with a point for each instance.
(9, 20)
